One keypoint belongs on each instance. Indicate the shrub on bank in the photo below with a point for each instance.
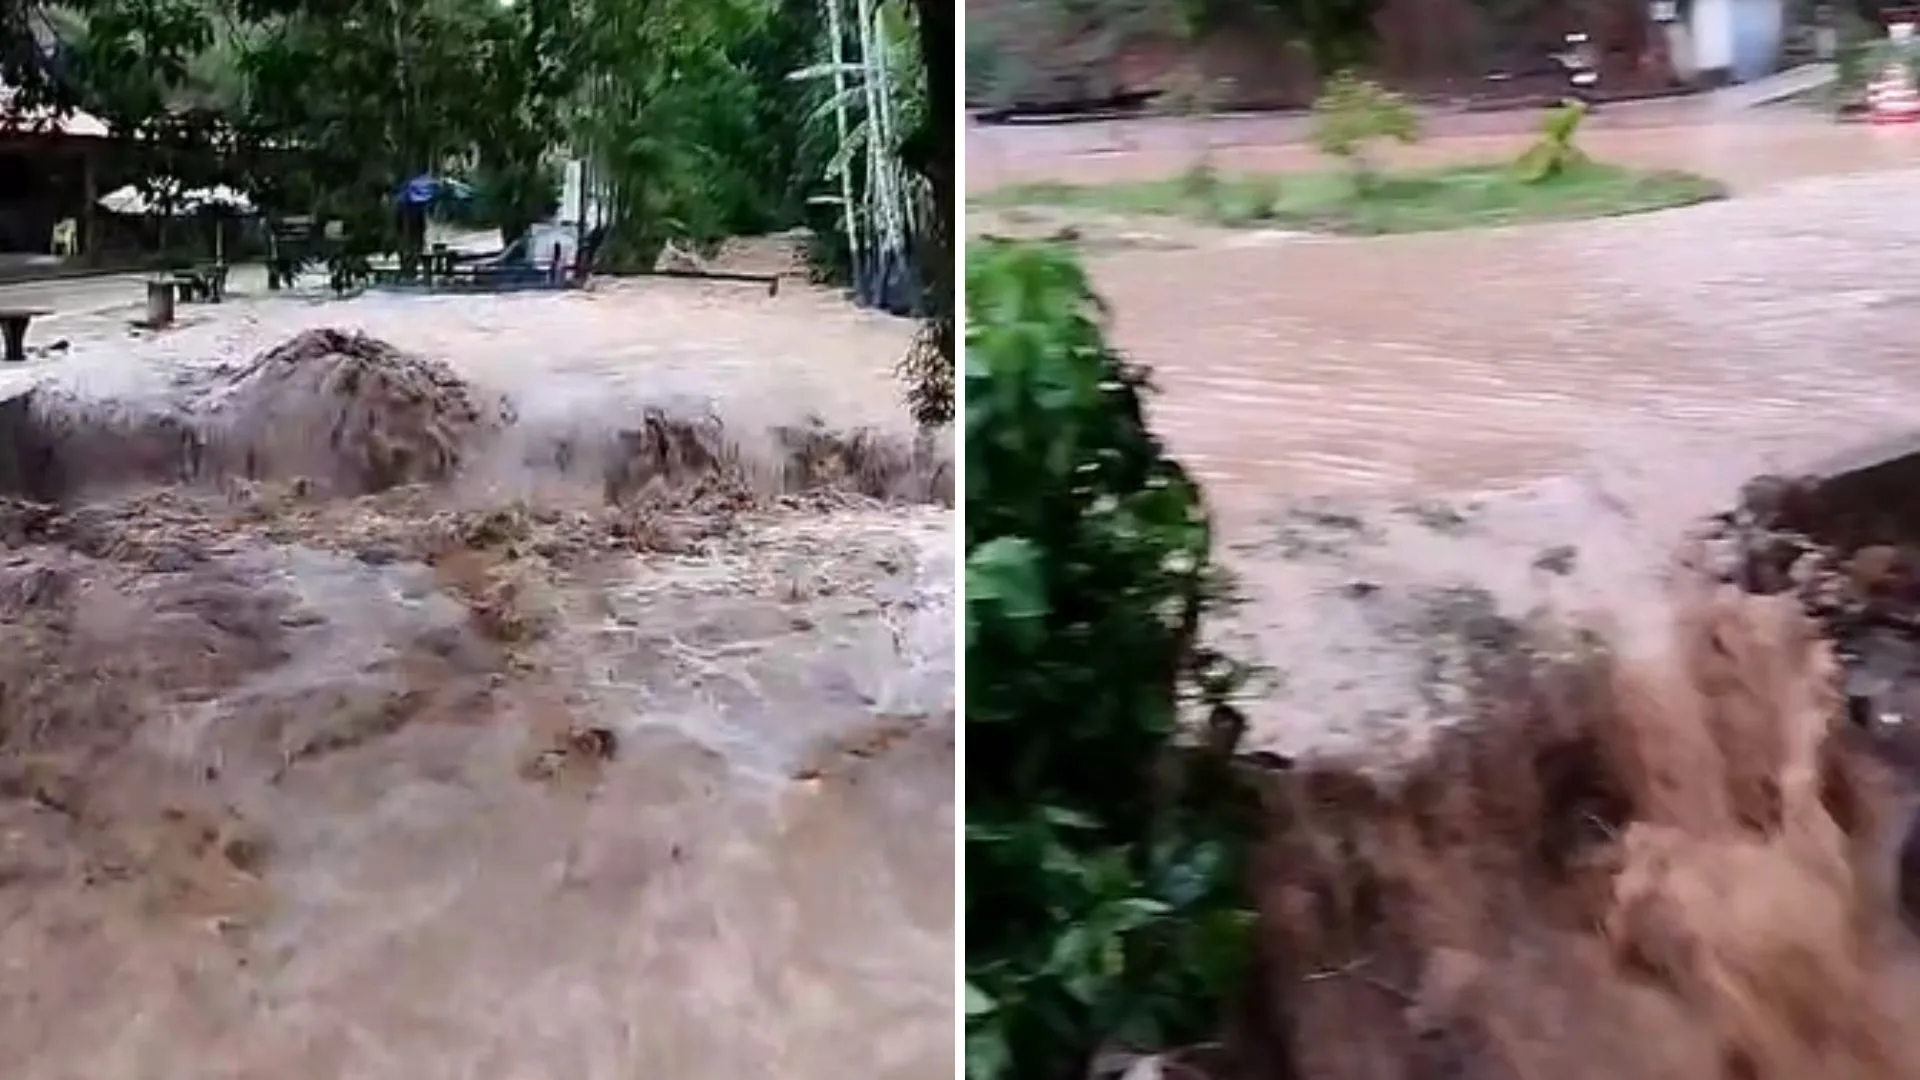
(1351, 115)
(1104, 847)
(1556, 150)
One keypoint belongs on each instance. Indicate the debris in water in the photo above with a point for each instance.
(578, 750)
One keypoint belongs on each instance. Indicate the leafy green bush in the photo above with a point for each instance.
(1351, 114)
(1863, 50)
(1104, 854)
(1555, 151)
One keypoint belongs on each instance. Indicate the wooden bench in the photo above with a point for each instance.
(487, 276)
(207, 283)
(13, 323)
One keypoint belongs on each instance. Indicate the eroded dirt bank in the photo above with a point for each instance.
(1661, 833)
(353, 723)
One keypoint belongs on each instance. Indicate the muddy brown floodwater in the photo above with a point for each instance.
(544, 686)
(1563, 805)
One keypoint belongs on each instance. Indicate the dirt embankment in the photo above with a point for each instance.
(1688, 860)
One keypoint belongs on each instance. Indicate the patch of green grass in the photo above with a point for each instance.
(1459, 197)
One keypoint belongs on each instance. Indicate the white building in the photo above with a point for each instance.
(1731, 40)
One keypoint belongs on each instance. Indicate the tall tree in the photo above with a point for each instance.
(930, 151)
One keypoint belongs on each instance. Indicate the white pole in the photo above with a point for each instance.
(884, 146)
(839, 61)
(880, 195)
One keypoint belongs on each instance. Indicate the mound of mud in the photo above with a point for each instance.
(342, 412)
(347, 415)
(1691, 856)
(660, 452)
(1667, 867)
(351, 414)
(869, 462)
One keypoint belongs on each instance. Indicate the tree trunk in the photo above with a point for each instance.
(932, 155)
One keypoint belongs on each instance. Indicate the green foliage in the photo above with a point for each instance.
(1104, 852)
(684, 102)
(1201, 182)
(372, 93)
(135, 56)
(687, 110)
(1204, 193)
(1862, 50)
(1555, 151)
(684, 110)
(929, 152)
(869, 110)
(513, 192)
(1460, 196)
(1352, 114)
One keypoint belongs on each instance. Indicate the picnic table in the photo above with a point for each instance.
(205, 282)
(13, 321)
(428, 268)
(441, 268)
(492, 274)
(441, 261)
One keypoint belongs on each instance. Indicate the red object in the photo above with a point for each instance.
(1893, 100)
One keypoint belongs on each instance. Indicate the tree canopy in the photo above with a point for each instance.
(697, 119)
(687, 109)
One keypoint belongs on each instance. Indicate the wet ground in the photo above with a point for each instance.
(1749, 148)
(1617, 378)
(730, 344)
(482, 776)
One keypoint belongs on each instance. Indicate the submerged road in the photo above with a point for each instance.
(1347, 400)
(1783, 317)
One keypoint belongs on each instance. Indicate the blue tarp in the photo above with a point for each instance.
(425, 189)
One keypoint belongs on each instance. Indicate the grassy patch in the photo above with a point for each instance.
(1459, 197)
